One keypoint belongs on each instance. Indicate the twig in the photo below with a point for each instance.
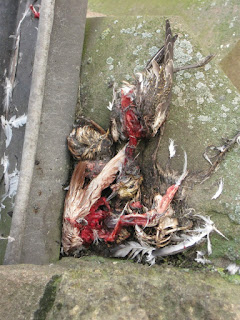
(197, 65)
(223, 150)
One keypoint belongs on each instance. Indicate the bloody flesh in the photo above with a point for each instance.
(133, 128)
(101, 209)
(98, 212)
(146, 218)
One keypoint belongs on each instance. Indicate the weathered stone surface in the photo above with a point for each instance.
(204, 108)
(97, 288)
(22, 288)
(215, 24)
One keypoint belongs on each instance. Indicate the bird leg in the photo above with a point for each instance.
(149, 218)
(197, 65)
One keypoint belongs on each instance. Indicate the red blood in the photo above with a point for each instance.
(95, 221)
(128, 220)
(136, 204)
(87, 235)
(126, 99)
(132, 126)
(36, 14)
(142, 219)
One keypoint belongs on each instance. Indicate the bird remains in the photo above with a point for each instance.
(104, 201)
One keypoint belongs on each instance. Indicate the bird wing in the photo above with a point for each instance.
(157, 86)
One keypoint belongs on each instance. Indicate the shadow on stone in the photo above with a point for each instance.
(231, 65)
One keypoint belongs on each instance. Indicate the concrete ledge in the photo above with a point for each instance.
(98, 288)
(36, 224)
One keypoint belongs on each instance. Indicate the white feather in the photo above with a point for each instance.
(238, 140)
(2, 206)
(9, 82)
(232, 268)
(7, 94)
(210, 222)
(10, 239)
(171, 148)
(7, 130)
(209, 245)
(201, 259)
(134, 250)
(13, 122)
(196, 236)
(25, 13)
(140, 76)
(184, 174)
(219, 191)
(18, 122)
(110, 106)
(13, 183)
(5, 164)
(207, 158)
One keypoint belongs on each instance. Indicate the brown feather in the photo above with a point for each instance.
(155, 97)
(80, 198)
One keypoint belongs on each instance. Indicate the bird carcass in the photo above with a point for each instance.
(104, 201)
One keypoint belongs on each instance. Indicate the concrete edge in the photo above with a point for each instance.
(35, 103)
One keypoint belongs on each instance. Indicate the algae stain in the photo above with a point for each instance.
(48, 298)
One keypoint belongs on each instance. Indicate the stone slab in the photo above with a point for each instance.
(98, 288)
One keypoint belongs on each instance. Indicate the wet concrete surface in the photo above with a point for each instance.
(11, 13)
(8, 16)
(37, 214)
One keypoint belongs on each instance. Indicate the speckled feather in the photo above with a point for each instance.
(154, 95)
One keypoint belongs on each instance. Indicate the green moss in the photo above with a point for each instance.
(133, 7)
(213, 23)
(5, 223)
(112, 290)
(230, 278)
(47, 301)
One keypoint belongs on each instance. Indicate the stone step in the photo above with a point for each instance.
(97, 288)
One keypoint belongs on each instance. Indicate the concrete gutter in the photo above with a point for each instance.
(32, 130)
(36, 228)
